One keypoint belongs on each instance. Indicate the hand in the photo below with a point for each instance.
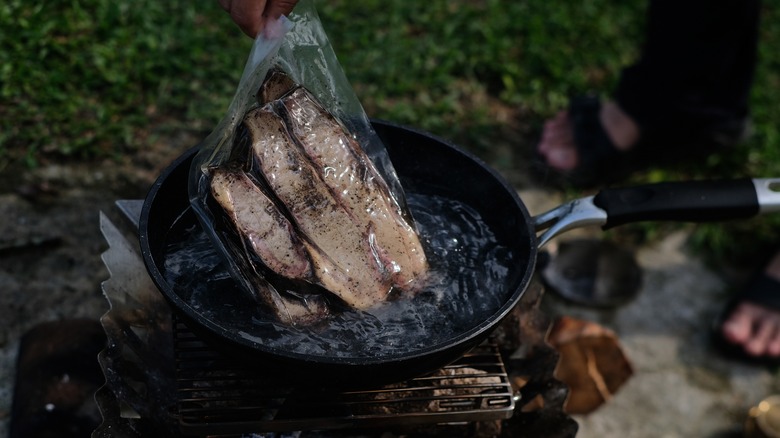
(251, 15)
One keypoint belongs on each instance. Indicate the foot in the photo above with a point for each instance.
(559, 148)
(754, 327)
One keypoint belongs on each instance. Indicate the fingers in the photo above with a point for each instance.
(251, 15)
(277, 8)
(247, 14)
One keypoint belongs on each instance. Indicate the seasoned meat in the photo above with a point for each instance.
(344, 264)
(312, 212)
(355, 182)
(264, 228)
(264, 231)
(293, 308)
(275, 85)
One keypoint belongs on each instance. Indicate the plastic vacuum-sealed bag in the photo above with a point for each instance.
(295, 188)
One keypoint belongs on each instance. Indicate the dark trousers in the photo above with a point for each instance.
(696, 67)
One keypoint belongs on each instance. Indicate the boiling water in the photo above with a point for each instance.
(468, 285)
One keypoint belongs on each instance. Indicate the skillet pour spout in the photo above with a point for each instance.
(689, 201)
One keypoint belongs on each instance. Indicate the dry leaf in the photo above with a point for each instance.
(592, 363)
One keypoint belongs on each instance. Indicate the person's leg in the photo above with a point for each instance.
(692, 80)
(695, 74)
(696, 67)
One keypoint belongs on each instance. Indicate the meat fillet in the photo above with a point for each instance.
(309, 206)
(257, 219)
(355, 182)
(267, 234)
(341, 252)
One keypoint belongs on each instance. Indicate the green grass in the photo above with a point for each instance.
(423, 62)
(86, 79)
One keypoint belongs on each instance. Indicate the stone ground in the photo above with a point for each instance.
(50, 268)
(50, 243)
(681, 386)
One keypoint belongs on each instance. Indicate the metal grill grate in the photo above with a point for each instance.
(217, 395)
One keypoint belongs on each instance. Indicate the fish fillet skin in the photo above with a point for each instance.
(260, 223)
(340, 253)
(357, 184)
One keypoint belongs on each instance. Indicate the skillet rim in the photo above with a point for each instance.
(462, 341)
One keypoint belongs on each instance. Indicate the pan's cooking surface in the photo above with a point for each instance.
(426, 165)
(468, 284)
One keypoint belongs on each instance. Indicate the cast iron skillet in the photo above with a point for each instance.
(422, 160)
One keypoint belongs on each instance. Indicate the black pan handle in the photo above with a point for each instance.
(695, 201)
(692, 201)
